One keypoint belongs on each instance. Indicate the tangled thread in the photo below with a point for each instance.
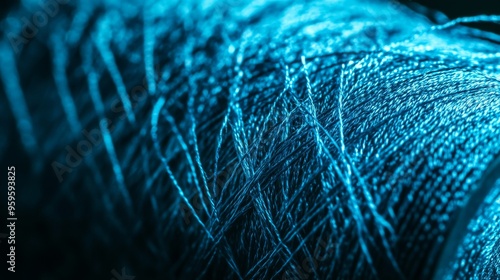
(268, 140)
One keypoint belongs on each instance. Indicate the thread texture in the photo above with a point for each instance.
(262, 140)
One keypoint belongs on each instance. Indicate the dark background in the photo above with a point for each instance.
(451, 8)
(463, 8)
(459, 8)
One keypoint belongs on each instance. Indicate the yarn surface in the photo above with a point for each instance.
(263, 140)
